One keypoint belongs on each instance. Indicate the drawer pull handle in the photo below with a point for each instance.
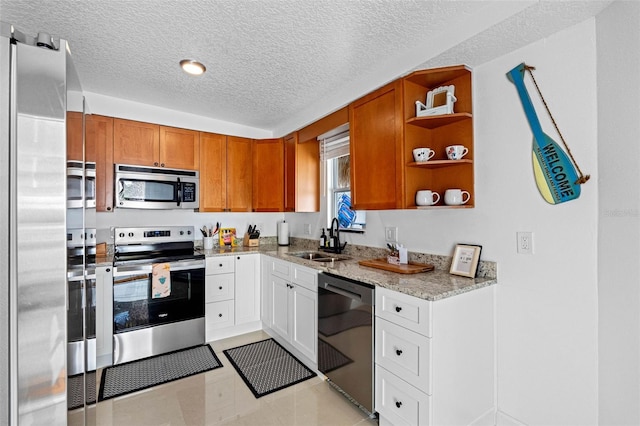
(398, 404)
(398, 308)
(398, 352)
(220, 265)
(220, 288)
(219, 315)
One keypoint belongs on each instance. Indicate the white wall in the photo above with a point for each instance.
(618, 35)
(122, 108)
(547, 302)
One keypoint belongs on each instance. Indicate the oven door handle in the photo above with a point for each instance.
(146, 269)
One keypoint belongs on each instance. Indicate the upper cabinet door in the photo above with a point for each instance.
(290, 142)
(376, 134)
(213, 172)
(179, 148)
(239, 174)
(268, 175)
(74, 136)
(99, 131)
(136, 143)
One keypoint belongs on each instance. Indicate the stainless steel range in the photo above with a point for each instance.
(158, 292)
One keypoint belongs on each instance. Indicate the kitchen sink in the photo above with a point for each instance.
(319, 256)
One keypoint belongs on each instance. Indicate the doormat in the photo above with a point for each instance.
(76, 398)
(267, 367)
(145, 373)
(338, 323)
(329, 358)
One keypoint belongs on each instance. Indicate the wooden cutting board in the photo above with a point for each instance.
(411, 268)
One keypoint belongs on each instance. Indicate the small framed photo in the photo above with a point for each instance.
(465, 260)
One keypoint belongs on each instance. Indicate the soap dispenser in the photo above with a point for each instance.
(323, 239)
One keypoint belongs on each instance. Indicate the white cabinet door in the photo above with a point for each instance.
(304, 328)
(247, 296)
(280, 306)
(267, 291)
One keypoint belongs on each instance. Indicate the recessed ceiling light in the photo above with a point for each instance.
(192, 67)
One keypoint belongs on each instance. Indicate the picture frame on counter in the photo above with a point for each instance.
(465, 260)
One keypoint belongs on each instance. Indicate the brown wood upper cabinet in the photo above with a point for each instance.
(99, 141)
(384, 131)
(225, 173)
(376, 135)
(148, 144)
(268, 175)
(301, 174)
(74, 136)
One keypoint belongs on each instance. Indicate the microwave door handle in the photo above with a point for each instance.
(179, 192)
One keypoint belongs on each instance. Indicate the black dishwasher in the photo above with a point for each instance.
(346, 336)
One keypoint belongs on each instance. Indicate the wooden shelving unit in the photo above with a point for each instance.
(438, 132)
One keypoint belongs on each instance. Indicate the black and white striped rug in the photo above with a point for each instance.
(145, 373)
(267, 367)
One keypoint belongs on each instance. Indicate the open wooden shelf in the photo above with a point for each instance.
(437, 132)
(443, 206)
(435, 121)
(435, 164)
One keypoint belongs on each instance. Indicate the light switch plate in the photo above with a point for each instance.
(391, 234)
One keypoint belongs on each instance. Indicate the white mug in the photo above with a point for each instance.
(456, 197)
(424, 197)
(423, 154)
(456, 152)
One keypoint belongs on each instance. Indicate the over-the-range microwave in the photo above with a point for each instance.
(140, 187)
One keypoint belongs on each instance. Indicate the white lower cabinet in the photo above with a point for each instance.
(398, 403)
(304, 324)
(290, 296)
(232, 295)
(435, 360)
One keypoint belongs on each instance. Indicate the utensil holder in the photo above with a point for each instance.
(207, 243)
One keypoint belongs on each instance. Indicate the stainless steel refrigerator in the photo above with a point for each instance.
(33, 214)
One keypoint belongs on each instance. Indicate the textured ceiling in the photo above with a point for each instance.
(278, 64)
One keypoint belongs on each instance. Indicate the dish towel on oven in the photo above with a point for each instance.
(160, 280)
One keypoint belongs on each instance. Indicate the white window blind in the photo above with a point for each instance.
(335, 143)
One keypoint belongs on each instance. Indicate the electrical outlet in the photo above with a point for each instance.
(307, 229)
(525, 242)
(391, 234)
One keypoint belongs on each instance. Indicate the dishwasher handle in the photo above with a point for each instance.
(352, 289)
(345, 293)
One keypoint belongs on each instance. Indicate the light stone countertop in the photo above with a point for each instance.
(434, 285)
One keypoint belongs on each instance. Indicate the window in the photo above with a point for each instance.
(335, 149)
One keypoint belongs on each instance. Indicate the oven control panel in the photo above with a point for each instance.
(150, 235)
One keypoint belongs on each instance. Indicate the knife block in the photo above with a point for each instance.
(250, 242)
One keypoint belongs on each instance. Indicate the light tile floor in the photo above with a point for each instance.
(220, 397)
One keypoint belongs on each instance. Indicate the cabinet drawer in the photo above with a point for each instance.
(399, 403)
(404, 353)
(219, 265)
(407, 311)
(219, 287)
(219, 314)
(306, 277)
(281, 269)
